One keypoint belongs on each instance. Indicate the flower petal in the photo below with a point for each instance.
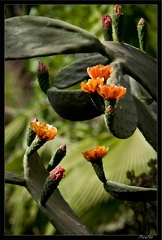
(44, 131)
(92, 84)
(111, 91)
(96, 153)
(99, 71)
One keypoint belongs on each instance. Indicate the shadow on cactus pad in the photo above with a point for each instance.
(74, 105)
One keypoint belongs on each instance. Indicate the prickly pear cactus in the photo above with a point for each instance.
(125, 119)
(31, 36)
(55, 37)
(74, 105)
(56, 210)
(76, 72)
(135, 63)
(24, 40)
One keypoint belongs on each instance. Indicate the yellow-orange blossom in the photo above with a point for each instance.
(99, 74)
(92, 85)
(111, 91)
(44, 131)
(96, 153)
(100, 71)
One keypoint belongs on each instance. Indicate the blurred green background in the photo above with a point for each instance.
(24, 101)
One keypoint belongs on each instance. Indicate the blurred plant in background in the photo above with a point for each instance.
(24, 101)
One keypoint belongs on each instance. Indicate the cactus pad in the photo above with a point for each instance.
(125, 119)
(35, 36)
(135, 63)
(77, 71)
(74, 105)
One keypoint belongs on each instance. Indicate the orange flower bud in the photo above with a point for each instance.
(118, 9)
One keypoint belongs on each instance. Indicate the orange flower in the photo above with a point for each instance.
(91, 85)
(96, 153)
(99, 71)
(44, 131)
(111, 91)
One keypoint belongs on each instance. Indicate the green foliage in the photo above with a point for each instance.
(133, 14)
(146, 211)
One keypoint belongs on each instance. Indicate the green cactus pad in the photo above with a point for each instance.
(125, 119)
(118, 24)
(98, 168)
(9, 9)
(130, 193)
(48, 188)
(30, 136)
(26, 9)
(147, 124)
(74, 105)
(142, 35)
(56, 159)
(107, 33)
(35, 36)
(57, 209)
(35, 145)
(77, 71)
(43, 79)
(135, 63)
